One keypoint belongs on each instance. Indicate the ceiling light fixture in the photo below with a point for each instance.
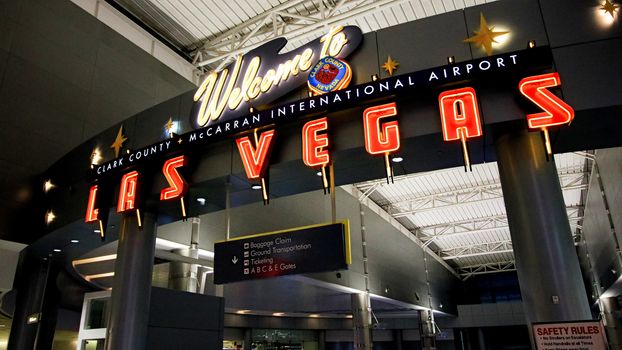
(256, 187)
(56, 250)
(201, 200)
(48, 185)
(75, 241)
(397, 159)
(49, 217)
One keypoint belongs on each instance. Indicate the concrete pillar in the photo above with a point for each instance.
(183, 276)
(131, 289)
(398, 339)
(36, 294)
(546, 261)
(321, 340)
(481, 339)
(361, 320)
(248, 338)
(427, 330)
(612, 318)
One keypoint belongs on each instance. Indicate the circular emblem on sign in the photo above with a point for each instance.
(329, 74)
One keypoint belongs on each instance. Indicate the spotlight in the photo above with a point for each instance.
(374, 77)
(49, 217)
(251, 110)
(48, 185)
(451, 59)
(531, 44)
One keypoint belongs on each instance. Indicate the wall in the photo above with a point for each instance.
(64, 77)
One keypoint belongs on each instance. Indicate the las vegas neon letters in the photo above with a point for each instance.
(556, 111)
(459, 114)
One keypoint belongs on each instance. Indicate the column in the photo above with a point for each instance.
(321, 340)
(37, 295)
(248, 338)
(427, 330)
(546, 261)
(612, 317)
(183, 276)
(397, 339)
(131, 289)
(361, 320)
(481, 339)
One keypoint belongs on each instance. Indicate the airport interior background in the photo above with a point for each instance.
(481, 241)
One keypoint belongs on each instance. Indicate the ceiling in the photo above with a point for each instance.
(211, 31)
(461, 215)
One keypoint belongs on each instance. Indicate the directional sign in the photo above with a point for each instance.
(317, 248)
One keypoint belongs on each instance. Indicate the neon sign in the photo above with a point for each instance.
(256, 79)
(460, 119)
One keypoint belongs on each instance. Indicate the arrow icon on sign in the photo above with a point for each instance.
(234, 260)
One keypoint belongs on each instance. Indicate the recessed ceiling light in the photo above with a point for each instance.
(397, 159)
(97, 231)
(49, 217)
(201, 200)
(75, 241)
(319, 173)
(48, 185)
(256, 187)
(56, 250)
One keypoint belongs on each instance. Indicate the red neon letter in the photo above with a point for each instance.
(178, 186)
(92, 213)
(556, 111)
(254, 160)
(314, 144)
(380, 137)
(127, 192)
(459, 114)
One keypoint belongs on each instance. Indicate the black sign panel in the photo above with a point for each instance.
(487, 68)
(317, 248)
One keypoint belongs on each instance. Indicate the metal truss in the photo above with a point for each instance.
(285, 20)
(487, 224)
(478, 249)
(468, 271)
(572, 180)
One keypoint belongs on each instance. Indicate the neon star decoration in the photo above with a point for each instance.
(118, 142)
(610, 8)
(485, 36)
(390, 65)
(169, 127)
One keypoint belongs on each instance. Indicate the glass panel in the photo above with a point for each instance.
(97, 314)
(93, 344)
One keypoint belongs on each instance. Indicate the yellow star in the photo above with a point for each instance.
(485, 36)
(390, 65)
(118, 142)
(610, 8)
(169, 126)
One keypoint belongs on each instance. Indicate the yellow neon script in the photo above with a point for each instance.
(215, 93)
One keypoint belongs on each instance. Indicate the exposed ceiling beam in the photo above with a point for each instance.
(478, 249)
(478, 225)
(270, 25)
(468, 271)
